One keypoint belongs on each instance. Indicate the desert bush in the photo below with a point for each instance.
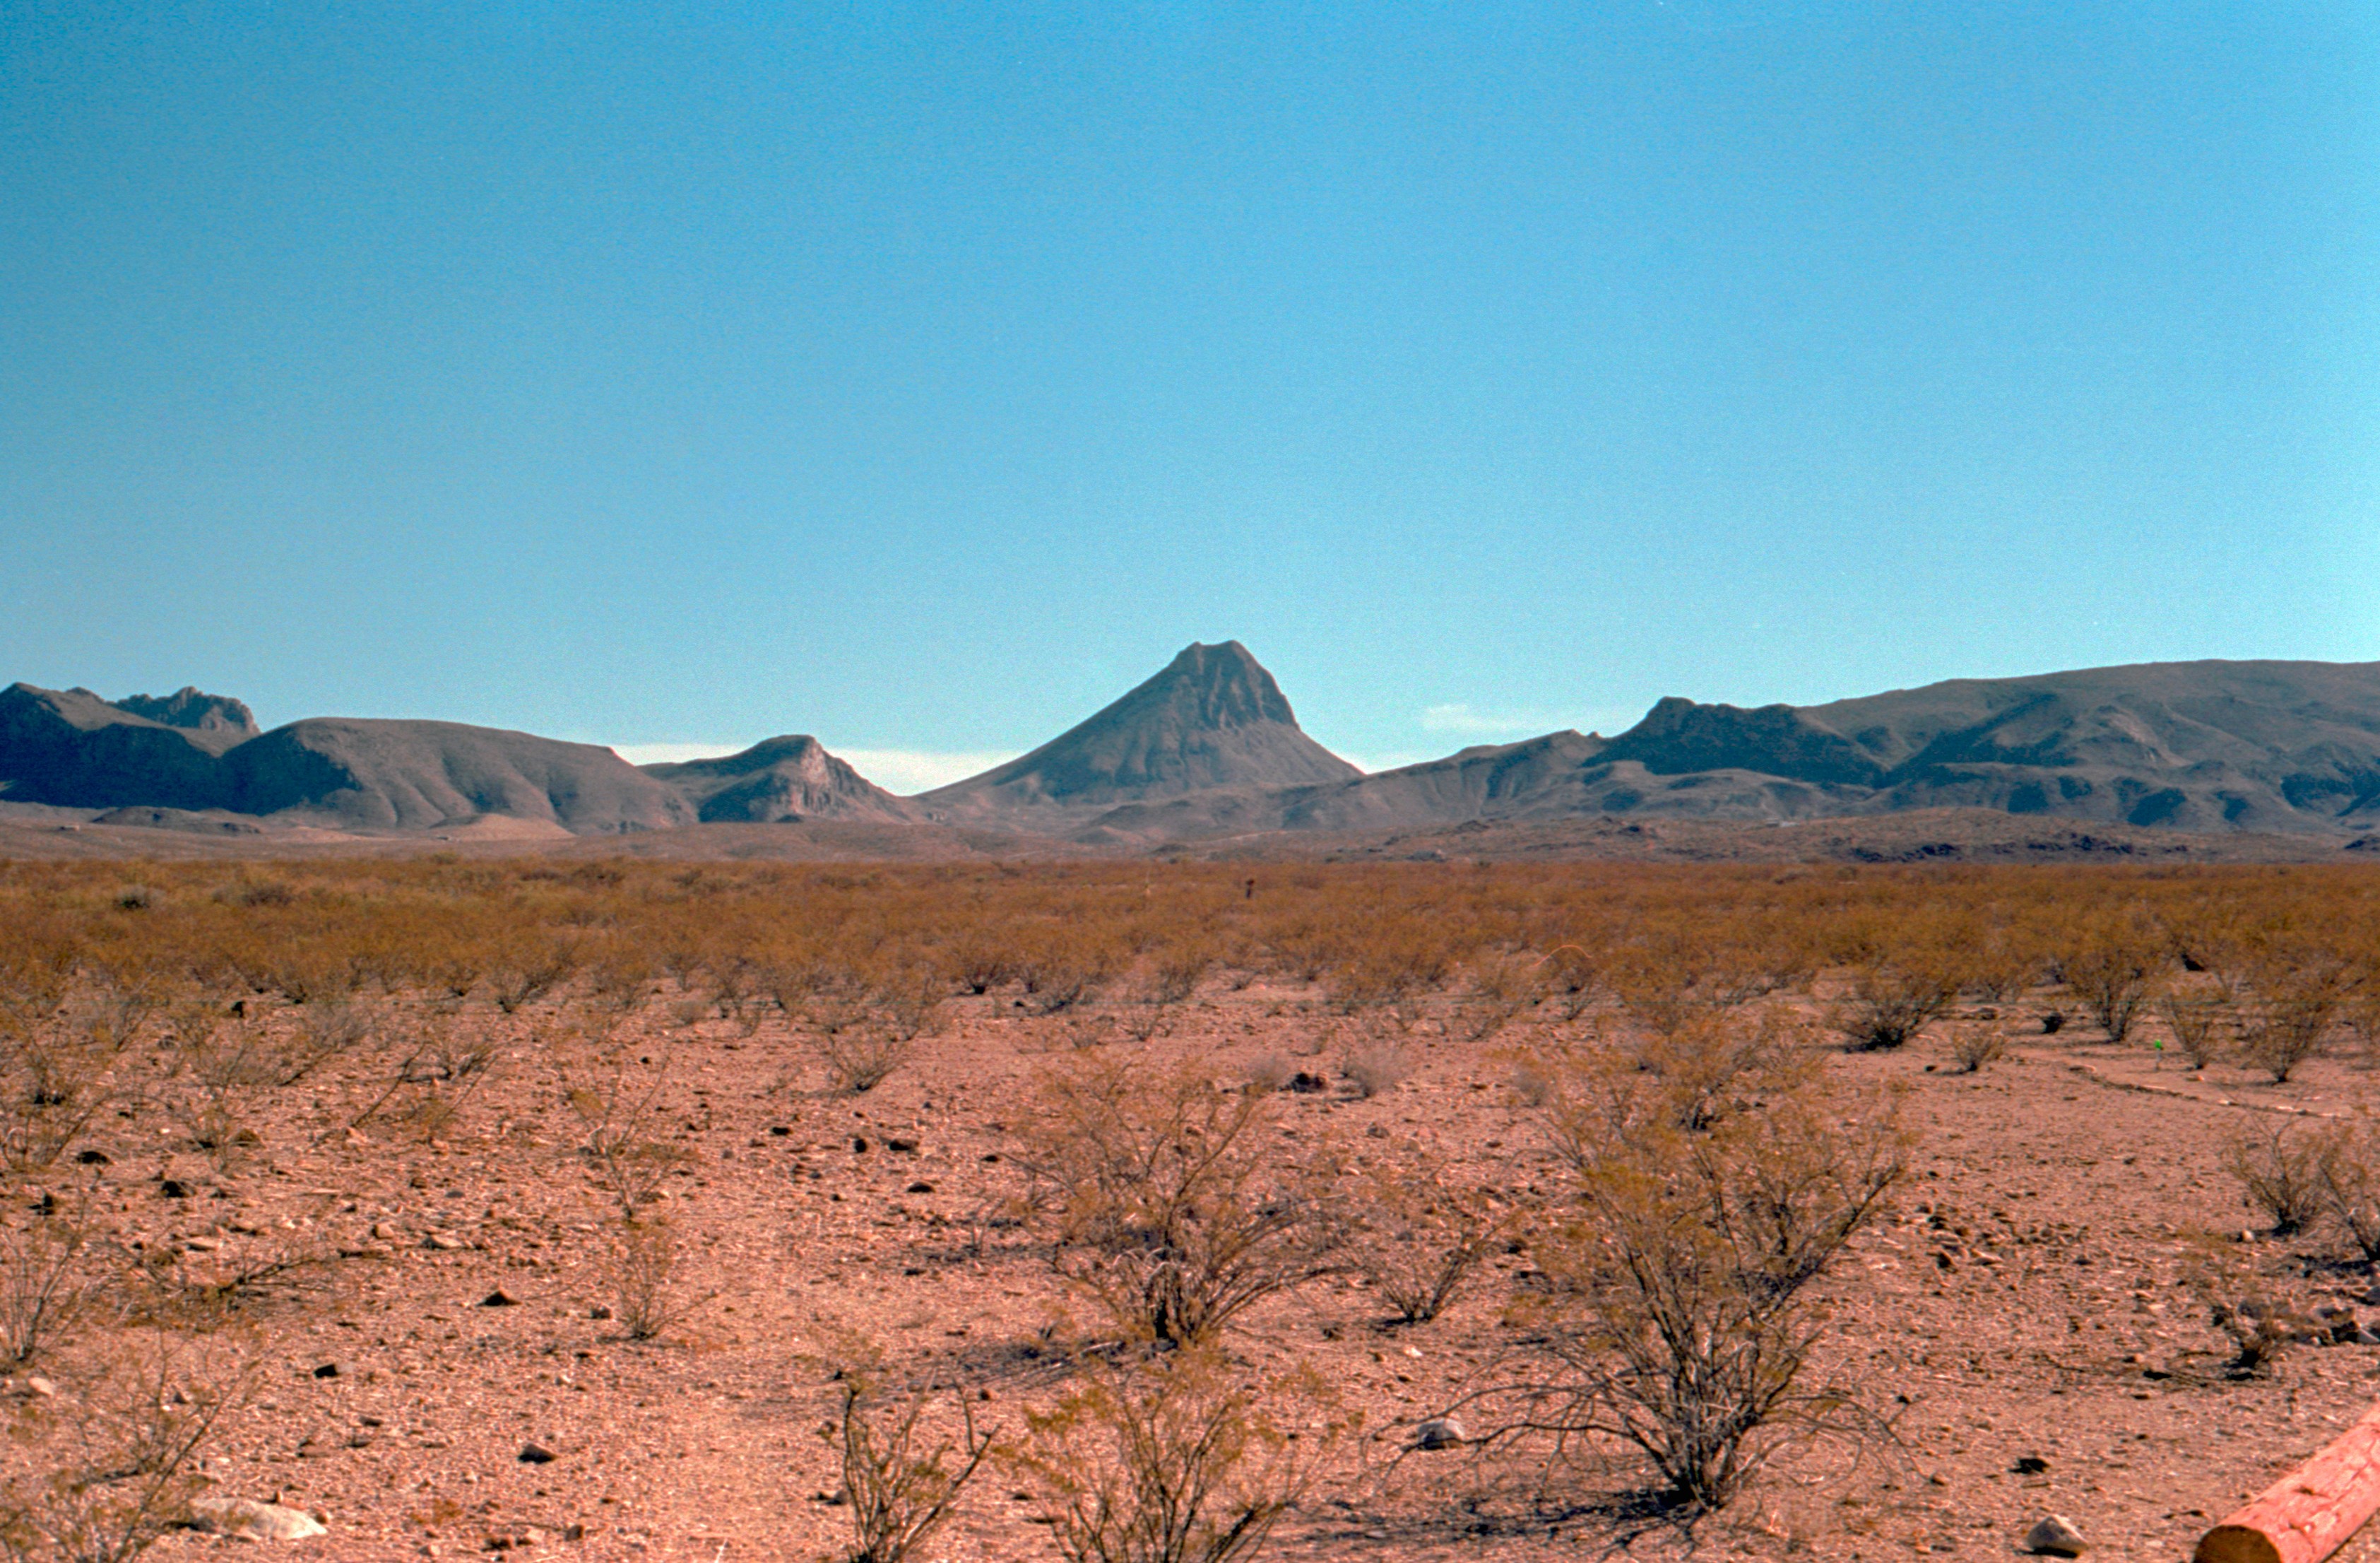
(52, 1085)
(2280, 1174)
(2111, 965)
(1973, 1044)
(2195, 1020)
(1179, 1212)
(1680, 1321)
(648, 1292)
(2347, 1170)
(1270, 1071)
(1376, 1068)
(2259, 1326)
(1890, 1001)
(528, 970)
(1161, 1458)
(45, 1288)
(116, 1461)
(2298, 990)
(617, 1106)
(1421, 1237)
(900, 1487)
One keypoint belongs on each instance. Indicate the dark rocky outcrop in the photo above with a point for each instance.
(69, 747)
(190, 709)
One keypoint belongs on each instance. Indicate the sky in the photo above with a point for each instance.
(923, 376)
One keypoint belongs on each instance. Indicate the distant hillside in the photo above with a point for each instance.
(779, 780)
(1208, 750)
(1212, 718)
(71, 747)
(418, 775)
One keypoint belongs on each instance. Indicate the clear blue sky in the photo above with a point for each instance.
(922, 376)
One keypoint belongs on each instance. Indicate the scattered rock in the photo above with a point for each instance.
(2030, 1465)
(445, 1242)
(536, 1453)
(2052, 1023)
(385, 1232)
(327, 1370)
(1307, 1084)
(907, 1147)
(859, 1145)
(2054, 1535)
(499, 1299)
(40, 1387)
(599, 1312)
(256, 1521)
(94, 1158)
(172, 1188)
(1439, 1432)
(920, 1188)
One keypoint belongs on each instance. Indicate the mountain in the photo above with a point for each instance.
(781, 779)
(192, 753)
(226, 720)
(418, 775)
(1212, 718)
(71, 747)
(2183, 745)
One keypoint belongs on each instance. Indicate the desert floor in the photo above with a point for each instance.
(2021, 1302)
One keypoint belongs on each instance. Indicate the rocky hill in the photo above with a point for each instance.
(1212, 718)
(780, 780)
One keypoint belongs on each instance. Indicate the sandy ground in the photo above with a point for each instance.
(2021, 1302)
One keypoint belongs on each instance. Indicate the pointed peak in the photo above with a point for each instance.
(1220, 685)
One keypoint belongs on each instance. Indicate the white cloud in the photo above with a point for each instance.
(895, 770)
(919, 770)
(1458, 718)
(670, 753)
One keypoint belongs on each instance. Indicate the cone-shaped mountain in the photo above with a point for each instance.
(1214, 717)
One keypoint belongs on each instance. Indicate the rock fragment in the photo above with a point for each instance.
(2054, 1535)
(254, 1520)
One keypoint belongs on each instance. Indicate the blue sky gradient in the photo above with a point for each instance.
(922, 376)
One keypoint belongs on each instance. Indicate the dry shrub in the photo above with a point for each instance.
(864, 1033)
(1890, 1001)
(617, 1105)
(1421, 1237)
(2280, 1174)
(899, 1487)
(2195, 1020)
(1180, 1210)
(113, 1454)
(2258, 1324)
(1680, 1321)
(1501, 990)
(1270, 1071)
(2347, 1168)
(45, 1287)
(646, 1285)
(1162, 1457)
(2112, 965)
(1377, 1068)
(2298, 989)
(1973, 1045)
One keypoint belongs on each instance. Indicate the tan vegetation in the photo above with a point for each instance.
(1661, 1244)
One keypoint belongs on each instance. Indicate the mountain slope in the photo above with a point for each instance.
(418, 776)
(786, 779)
(71, 747)
(1212, 718)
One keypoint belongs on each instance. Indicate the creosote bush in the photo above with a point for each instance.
(1165, 1457)
(1179, 1210)
(1680, 1322)
(901, 1483)
(2280, 1174)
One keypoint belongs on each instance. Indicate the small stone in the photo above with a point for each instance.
(907, 1147)
(256, 1521)
(385, 1232)
(1439, 1432)
(920, 1188)
(599, 1312)
(36, 1385)
(445, 1242)
(536, 1453)
(2030, 1465)
(499, 1299)
(859, 1145)
(327, 1370)
(2054, 1535)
